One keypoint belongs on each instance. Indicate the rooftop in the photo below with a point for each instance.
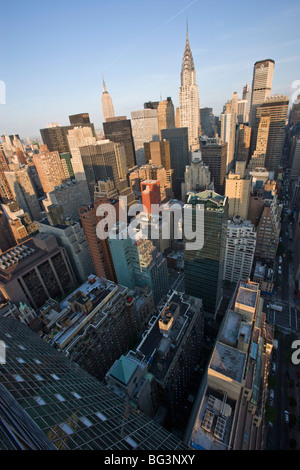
(228, 361)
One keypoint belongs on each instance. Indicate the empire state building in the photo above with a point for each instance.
(189, 108)
(107, 104)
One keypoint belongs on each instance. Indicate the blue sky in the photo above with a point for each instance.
(53, 54)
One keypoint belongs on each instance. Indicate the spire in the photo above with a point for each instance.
(104, 86)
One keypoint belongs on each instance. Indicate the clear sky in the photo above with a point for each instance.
(53, 54)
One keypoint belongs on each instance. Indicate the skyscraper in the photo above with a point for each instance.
(99, 249)
(165, 115)
(189, 107)
(107, 104)
(150, 190)
(240, 249)
(158, 151)
(277, 108)
(65, 407)
(23, 191)
(238, 192)
(79, 137)
(118, 130)
(144, 129)
(50, 170)
(179, 154)
(258, 159)
(261, 85)
(214, 155)
(203, 267)
(228, 128)
(138, 262)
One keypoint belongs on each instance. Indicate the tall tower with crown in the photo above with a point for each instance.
(189, 107)
(107, 104)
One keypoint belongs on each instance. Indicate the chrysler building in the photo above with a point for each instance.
(189, 108)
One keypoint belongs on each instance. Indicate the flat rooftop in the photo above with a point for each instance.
(228, 361)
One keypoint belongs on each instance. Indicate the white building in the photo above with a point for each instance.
(144, 124)
(240, 249)
(196, 178)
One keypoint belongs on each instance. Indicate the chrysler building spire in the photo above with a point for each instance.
(189, 108)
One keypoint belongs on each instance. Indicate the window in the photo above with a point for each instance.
(55, 377)
(20, 360)
(38, 377)
(86, 421)
(101, 416)
(18, 378)
(40, 401)
(76, 395)
(66, 428)
(60, 397)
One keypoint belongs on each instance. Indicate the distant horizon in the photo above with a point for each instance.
(54, 63)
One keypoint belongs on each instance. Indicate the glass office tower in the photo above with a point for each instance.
(203, 267)
(49, 402)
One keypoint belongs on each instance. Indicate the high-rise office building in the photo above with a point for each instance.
(50, 170)
(228, 128)
(150, 191)
(150, 171)
(237, 190)
(65, 407)
(99, 248)
(55, 136)
(207, 122)
(23, 191)
(261, 85)
(70, 235)
(269, 226)
(70, 197)
(36, 271)
(196, 178)
(236, 394)
(243, 143)
(104, 160)
(165, 115)
(189, 107)
(179, 154)
(203, 268)
(258, 159)
(240, 250)
(79, 137)
(144, 129)
(158, 151)
(79, 119)
(277, 108)
(118, 130)
(138, 262)
(107, 104)
(214, 155)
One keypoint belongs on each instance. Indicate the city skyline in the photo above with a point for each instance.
(139, 52)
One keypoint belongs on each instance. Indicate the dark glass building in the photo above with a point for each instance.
(203, 267)
(179, 154)
(118, 130)
(49, 402)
